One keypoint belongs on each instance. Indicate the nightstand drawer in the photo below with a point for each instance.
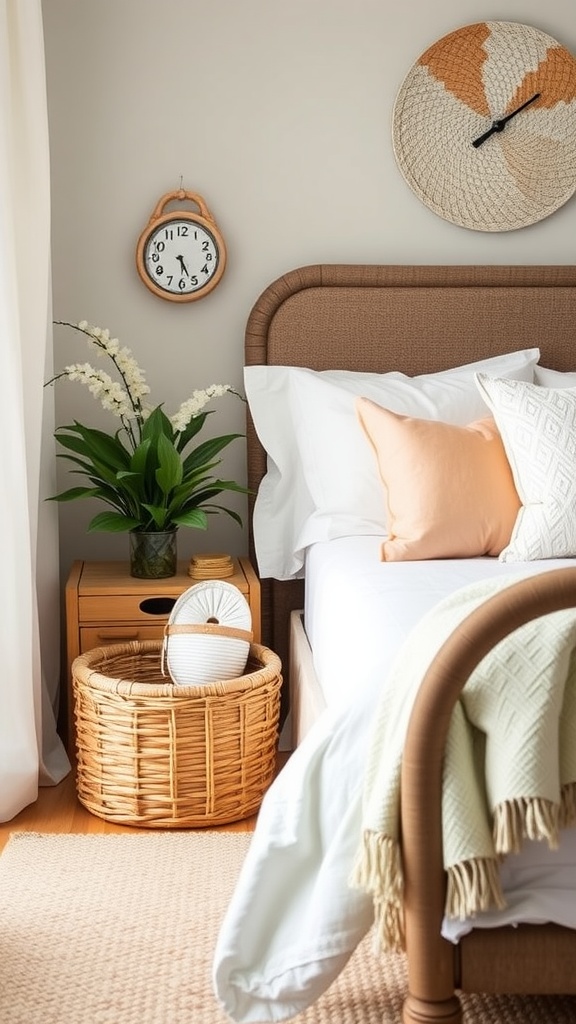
(127, 608)
(99, 636)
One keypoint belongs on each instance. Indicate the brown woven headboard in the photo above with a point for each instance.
(416, 319)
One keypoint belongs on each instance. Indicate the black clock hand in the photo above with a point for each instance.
(498, 126)
(183, 266)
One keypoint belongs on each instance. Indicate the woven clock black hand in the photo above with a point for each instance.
(498, 126)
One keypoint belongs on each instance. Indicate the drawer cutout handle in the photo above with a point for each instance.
(157, 605)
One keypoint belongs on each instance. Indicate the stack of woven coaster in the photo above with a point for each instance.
(211, 567)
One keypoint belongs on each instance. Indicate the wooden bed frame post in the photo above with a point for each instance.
(435, 968)
(431, 959)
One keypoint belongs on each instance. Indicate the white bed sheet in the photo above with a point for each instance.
(293, 921)
(359, 610)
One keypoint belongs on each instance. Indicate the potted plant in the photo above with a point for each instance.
(147, 473)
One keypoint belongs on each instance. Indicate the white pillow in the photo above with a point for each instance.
(538, 429)
(283, 502)
(553, 378)
(322, 480)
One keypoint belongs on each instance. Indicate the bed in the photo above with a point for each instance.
(397, 320)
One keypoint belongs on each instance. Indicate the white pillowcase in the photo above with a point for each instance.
(553, 378)
(322, 481)
(538, 429)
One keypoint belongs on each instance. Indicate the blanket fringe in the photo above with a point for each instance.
(473, 886)
(378, 871)
(567, 813)
(525, 818)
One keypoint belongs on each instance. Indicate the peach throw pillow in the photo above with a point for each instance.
(449, 490)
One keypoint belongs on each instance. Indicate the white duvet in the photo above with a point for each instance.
(293, 920)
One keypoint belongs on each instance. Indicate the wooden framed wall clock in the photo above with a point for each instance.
(484, 126)
(181, 254)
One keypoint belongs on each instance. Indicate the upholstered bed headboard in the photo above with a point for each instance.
(415, 319)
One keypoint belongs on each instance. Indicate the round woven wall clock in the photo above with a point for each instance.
(484, 126)
(181, 254)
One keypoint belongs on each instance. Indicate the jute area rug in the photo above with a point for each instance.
(114, 929)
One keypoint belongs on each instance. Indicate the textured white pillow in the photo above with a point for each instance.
(322, 481)
(538, 429)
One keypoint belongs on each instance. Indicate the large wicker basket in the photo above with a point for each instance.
(154, 754)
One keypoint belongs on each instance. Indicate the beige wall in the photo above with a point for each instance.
(277, 112)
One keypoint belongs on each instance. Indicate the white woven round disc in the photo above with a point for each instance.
(455, 91)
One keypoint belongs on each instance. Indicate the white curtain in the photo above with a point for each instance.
(31, 753)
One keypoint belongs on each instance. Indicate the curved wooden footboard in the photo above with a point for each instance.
(436, 967)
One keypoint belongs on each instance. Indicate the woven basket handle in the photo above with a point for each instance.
(209, 629)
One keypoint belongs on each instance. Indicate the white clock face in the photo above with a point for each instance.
(181, 257)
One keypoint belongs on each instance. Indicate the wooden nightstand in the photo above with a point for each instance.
(105, 605)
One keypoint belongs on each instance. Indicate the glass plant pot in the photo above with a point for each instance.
(153, 555)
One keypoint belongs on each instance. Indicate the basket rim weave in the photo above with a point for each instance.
(96, 669)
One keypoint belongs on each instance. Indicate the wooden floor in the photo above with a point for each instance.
(57, 810)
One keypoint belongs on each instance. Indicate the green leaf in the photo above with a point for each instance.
(113, 523)
(234, 515)
(169, 472)
(206, 451)
(213, 509)
(216, 487)
(139, 457)
(231, 485)
(105, 470)
(193, 479)
(156, 424)
(194, 427)
(73, 494)
(85, 467)
(95, 445)
(117, 498)
(196, 518)
(159, 516)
